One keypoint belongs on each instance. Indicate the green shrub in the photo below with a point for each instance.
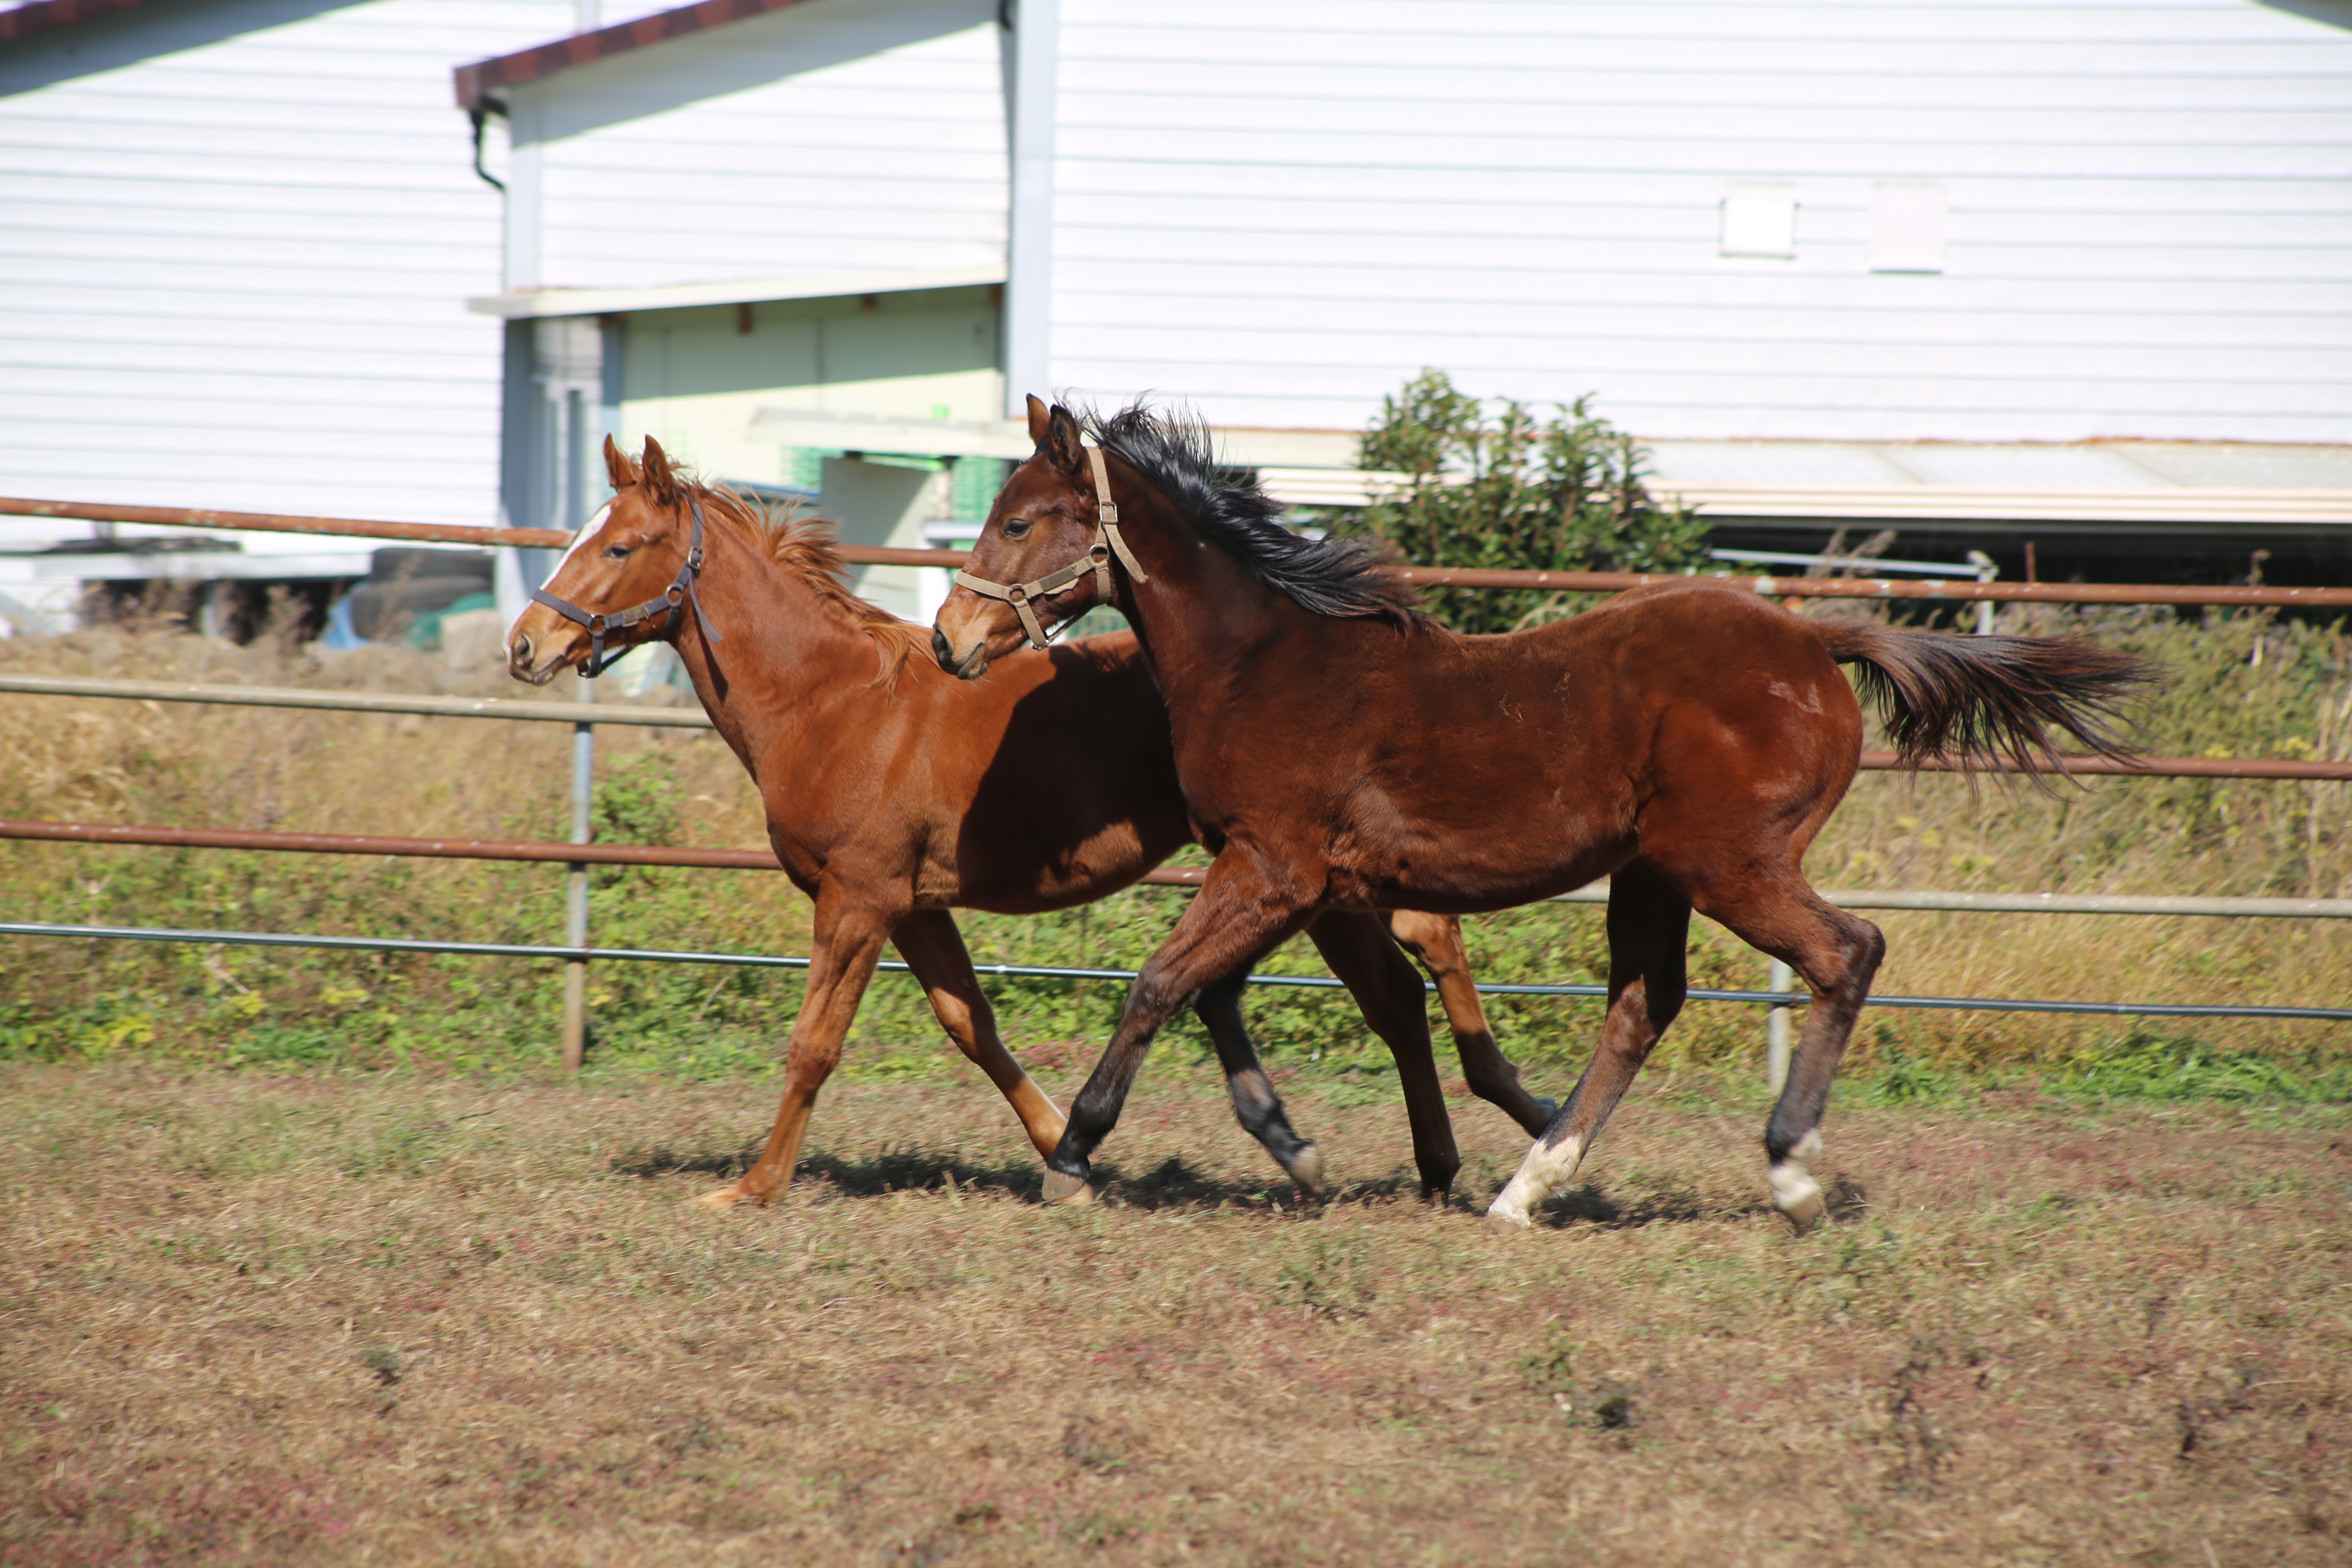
(1501, 486)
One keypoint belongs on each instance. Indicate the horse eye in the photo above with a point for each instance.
(1017, 527)
(617, 553)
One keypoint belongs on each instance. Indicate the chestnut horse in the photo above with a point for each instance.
(894, 794)
(1341, 751)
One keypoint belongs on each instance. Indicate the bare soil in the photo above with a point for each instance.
(357, 1320)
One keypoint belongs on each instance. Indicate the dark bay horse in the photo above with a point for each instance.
(894, 794)
(1341, 751)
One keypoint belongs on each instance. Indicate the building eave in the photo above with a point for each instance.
(48, 14)
(478, 84)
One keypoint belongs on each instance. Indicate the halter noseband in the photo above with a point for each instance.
(679, 591)
(1096, 560)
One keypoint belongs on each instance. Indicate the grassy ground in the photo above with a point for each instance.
(388, 1318)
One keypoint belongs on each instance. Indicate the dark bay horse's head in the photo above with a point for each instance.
(628, 558)
(1046, 519)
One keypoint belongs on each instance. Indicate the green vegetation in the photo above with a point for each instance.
(1499, 485)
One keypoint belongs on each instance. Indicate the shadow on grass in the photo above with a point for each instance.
(1173, 1183)
(1588, 1205)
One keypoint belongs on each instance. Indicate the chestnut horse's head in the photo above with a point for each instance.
(1043, 557)
(628, 579)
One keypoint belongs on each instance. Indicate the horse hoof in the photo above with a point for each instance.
(1509, 1222)
(1805, 1212)
(1305, 1168)
(1066, 1191)
(726, 1198)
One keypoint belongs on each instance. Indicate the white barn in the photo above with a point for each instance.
(2080, 269)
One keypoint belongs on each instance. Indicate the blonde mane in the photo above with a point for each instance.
(808, 551)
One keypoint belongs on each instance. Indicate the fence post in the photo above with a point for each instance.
(1776, 1045)
(575, 905)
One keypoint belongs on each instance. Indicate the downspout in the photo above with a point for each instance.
(479, 114)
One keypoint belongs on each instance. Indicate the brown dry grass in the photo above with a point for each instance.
(390, 1319)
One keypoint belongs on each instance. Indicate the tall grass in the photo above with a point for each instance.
(2240, 685)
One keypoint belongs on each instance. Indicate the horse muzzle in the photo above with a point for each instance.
(536, 661)
(959, 638)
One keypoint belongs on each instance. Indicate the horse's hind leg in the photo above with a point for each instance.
(1649, 927)
(1356, 947)
(1256, 1105)
(934, 948)
(1436, 941)
(1836, 955)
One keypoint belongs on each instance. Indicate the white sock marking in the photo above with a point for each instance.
(1794, 1191)
(1542, 1173)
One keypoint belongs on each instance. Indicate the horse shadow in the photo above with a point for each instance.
(1847, 1200)
(1173, 1183)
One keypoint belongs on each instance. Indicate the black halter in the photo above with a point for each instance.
(679, 591)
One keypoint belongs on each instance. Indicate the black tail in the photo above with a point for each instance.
(1978, 699)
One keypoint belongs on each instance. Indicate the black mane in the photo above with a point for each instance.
(1338, 577)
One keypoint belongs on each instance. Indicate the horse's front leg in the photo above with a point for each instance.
(1241, 912)
(1356, 944)
(848, 942)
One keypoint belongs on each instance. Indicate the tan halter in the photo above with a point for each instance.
(1022, 596)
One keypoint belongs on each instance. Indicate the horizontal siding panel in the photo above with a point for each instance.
(2121, 55)
(1601, 127)
(2050, 189)
(1663, 21)
(1864, 85)
(1764, 157)
(284, 416)
(1209, 381)
(1674, 322)
(1693, 258)
(1747, 290)
(1193, 346)
(1695, 221)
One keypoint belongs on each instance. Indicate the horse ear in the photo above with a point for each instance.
(658, 479)
(1039, 418)
(617, 466)
(1061, 442)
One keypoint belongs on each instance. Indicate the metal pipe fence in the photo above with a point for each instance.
(1055, 972)
(578, 853)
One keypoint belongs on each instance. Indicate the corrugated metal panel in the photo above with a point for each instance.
(237, 241)
(1281, 208)
(819, 139)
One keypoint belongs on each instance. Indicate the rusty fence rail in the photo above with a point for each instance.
(1433, 576)
(693, 719)
(578, 853)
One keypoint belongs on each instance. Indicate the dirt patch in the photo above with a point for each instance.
(323, 1319)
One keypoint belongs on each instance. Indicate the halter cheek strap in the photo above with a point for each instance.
(680, 590)
(1022, 596)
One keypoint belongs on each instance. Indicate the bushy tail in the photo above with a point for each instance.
(1978, 699)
